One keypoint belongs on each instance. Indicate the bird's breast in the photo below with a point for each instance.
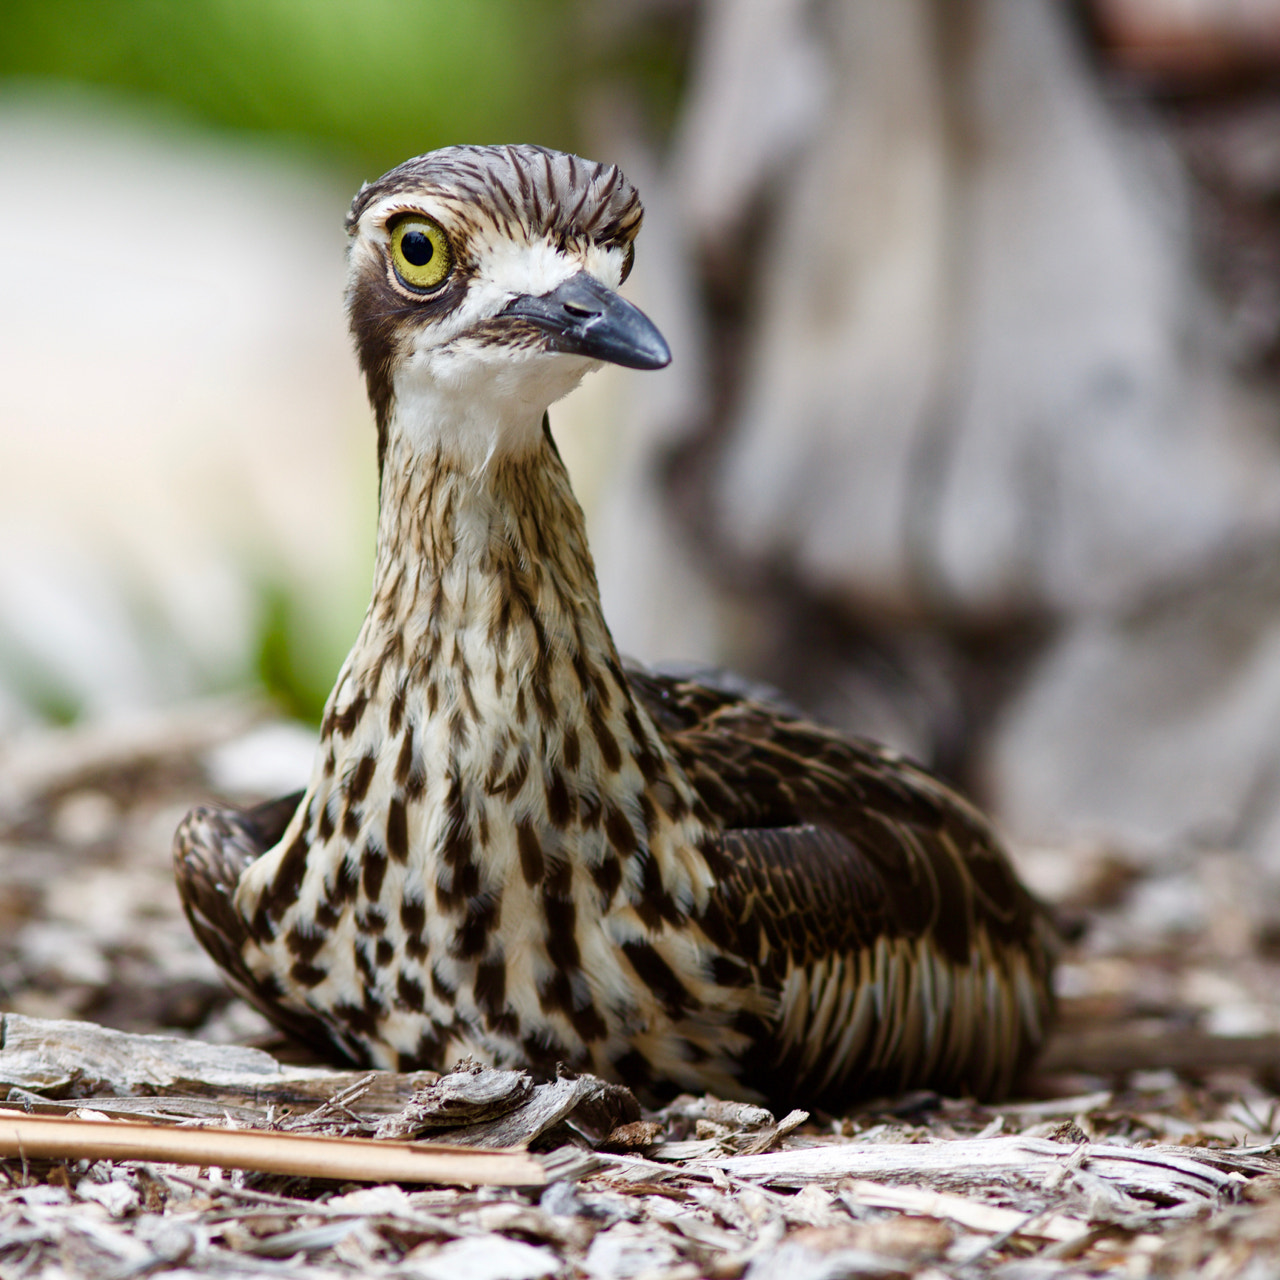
(493, 849)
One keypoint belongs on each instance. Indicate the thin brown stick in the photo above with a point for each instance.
(305, 1155)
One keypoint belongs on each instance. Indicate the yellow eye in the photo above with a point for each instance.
(420, 253)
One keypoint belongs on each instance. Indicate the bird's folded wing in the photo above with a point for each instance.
(878, 905)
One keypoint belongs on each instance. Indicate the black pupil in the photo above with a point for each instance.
(417, 247)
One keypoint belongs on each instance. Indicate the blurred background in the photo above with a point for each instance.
(971, 442)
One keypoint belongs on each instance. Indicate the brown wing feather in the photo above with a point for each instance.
(212, 848)
(875, 904)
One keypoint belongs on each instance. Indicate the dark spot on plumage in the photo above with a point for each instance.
(325, 915)
(302, 943)
(654, 904)
(471, 936)
(522, 710)
(384, 953)
(458, 845)
(559, 802)
(373, 867)
(405, 758)
(541, 686)
(364, 962)
(260, 926)
(459, 731)
(588, 1023)
(726, 971)
(413, 916)
(610, 753)
(659, 977)
(415, 784)
(586, 678)
(648, 814)
(650, 765)
(501, 626)
(372, 921)
(433, 697)
(544, 1050)
(427, 1051)
(561, 923)
(514, 782)
(345, 721)
(287, 883)
(454, 887)
(362, 1021)
(620, 832)
(351, 821)
(307, 975)
(571, 749)
(607, 875)
(346, 882)
(555, 995)
(361, 777)
(497, 767)
(491, 986)
(397, 830)
(530, 850)
(639, 739)
(410, 994)
(325, 827)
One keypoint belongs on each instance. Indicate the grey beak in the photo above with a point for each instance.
(586, 318)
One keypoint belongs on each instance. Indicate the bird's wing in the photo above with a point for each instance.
(876, 904)
(212, 848)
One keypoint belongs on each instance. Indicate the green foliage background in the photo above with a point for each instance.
(374, 80)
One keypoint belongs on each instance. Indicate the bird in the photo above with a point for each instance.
(517, 848)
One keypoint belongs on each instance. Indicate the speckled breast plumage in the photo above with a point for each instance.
(514, 848)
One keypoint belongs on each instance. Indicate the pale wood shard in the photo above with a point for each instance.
(302, 1155)
(971, 1214)
(79, 1059)
(1167, 1171)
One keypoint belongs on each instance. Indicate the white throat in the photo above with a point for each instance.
(477, 405)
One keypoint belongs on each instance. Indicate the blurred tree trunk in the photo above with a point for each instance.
(964, 456)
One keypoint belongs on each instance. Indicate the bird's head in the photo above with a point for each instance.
(482, 286)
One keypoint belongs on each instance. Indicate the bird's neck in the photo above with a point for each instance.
(488, 563)
(484, 698)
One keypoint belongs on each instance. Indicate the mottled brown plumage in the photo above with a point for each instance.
(514, 847)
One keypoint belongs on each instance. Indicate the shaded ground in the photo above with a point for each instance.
(1174, 970)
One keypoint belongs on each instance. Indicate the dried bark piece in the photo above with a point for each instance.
(469, 1094)
(64, 1059)
(593, 1107)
